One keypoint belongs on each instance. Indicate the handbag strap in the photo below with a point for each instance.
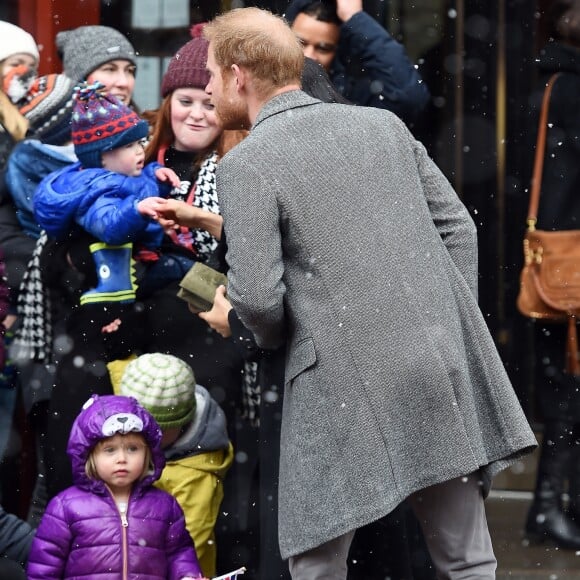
(539, 156)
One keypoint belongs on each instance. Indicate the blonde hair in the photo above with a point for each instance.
(260, 42)
(91, 468)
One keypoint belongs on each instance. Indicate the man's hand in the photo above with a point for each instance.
(346, 9)
(217, 317)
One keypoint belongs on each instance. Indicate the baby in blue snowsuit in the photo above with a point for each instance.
(109, 193)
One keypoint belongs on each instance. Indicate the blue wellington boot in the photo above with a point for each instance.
(115, 274)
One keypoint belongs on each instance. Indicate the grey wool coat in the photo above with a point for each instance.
(346, 242)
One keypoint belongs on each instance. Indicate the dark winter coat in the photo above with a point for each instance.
(559, 201)
(17, 246)
(82, 535)
(371, 68)
(15, 537)
(100, 202)
(392, 380)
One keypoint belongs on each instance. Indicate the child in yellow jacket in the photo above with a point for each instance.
(195, 441)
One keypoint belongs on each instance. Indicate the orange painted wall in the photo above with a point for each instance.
(44, 18)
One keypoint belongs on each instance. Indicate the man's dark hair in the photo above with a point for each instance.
(323, 10)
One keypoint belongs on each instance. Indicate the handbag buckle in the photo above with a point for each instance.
(532, 256)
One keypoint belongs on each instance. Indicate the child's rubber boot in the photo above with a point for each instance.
(115, 274)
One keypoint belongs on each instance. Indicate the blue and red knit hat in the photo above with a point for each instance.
(100, 123)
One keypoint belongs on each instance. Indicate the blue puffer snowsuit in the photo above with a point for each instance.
(29, 162)
(101, 202)
(82, 534)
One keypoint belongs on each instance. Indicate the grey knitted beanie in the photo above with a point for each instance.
(164, 385)
(86, 48)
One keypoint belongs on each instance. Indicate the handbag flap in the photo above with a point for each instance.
(555, 260)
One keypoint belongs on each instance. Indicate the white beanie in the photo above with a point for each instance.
(164, 385)
(14, 40)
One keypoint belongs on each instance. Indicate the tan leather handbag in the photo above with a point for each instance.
(550, 277)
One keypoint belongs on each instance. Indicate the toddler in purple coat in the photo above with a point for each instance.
(113, 524)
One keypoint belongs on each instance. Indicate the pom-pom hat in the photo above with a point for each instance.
(164, 385)
(187, 67)
(100, 123)
(16, 41)
(49, 111)
(86, 48)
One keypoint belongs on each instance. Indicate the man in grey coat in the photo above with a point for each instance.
(346, 243)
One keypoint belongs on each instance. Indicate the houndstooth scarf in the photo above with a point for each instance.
(251, 393)
(33, 337)
(205, 198)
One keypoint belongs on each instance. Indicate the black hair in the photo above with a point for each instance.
(316, 83)
(323, 10)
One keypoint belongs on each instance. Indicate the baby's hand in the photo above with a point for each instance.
(166, 174)
(149, 206)
(111, 327)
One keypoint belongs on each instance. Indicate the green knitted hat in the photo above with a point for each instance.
(164, 385)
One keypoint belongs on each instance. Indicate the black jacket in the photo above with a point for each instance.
(559, 198)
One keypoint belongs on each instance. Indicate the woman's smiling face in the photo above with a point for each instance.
(194, 122)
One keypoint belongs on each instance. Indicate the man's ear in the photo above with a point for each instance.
(240, 77)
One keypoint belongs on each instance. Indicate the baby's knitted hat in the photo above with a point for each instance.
(187, 66)
(49, 111)
(100, 123)
(86, 48)
(16, 41)
(164, 385)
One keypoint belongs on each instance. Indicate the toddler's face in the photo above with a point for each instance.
(16, 60)
(127, 160)
(120, 460)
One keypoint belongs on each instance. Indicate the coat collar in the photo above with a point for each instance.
(284, 102)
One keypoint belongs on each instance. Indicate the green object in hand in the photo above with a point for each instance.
(199, 285)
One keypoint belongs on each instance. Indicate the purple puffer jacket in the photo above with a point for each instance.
(81, 534)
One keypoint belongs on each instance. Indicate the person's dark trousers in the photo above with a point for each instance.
(574, 478)
(81, 373)
(392, 547)
(10, 570)
(271, 373)
(237, 526)
(546, 518)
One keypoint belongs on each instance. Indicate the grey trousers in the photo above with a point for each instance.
(452, 517)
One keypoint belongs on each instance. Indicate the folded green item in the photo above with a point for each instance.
(199, 285)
